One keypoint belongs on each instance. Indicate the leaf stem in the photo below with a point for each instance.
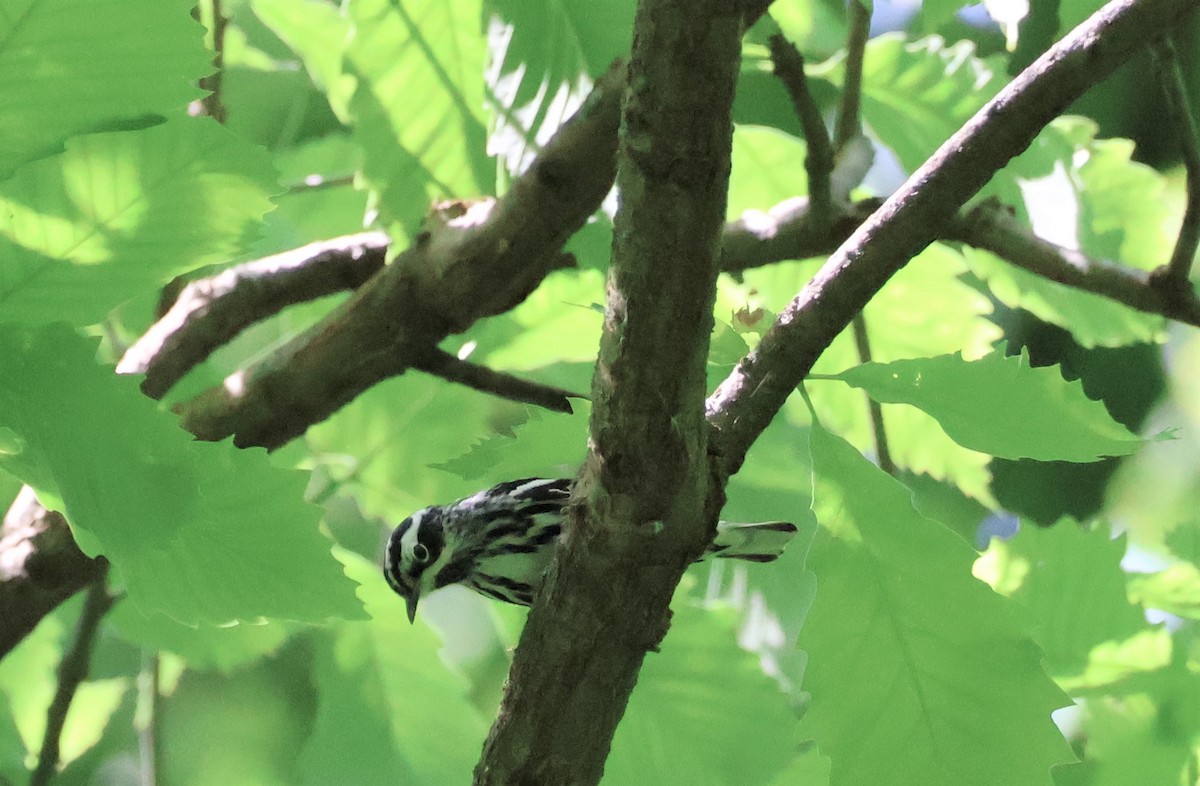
(874, 409)
(849, 125)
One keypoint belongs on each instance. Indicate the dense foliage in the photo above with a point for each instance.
(896, 641)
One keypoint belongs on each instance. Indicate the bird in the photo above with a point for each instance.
(499, 542)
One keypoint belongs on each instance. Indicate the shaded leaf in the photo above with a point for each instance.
(383, 679)
(703, 711)
(201, 532)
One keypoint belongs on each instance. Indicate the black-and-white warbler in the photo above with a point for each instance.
(499, 542)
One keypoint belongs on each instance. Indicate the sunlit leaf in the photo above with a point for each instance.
(411, 54)
(543, 57)
(1001, 406)
(1074, 588)
(119, 214)
(50, 51)
(912, 660)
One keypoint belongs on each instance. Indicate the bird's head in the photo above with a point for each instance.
(414, 550)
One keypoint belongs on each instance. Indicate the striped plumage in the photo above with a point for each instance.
(499, 542)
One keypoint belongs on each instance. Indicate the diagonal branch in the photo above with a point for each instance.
(749, 398)
(470, 261)
(40, 567)
(209, 312)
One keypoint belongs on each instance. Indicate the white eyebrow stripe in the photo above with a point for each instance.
(409, 539)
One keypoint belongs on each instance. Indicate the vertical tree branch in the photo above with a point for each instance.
(848, 125)
(147, 719)
(605, 601)
(818, 159)
(1179, 114)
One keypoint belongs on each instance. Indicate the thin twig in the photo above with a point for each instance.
(992, 227)
(818, 160)
(148, 720)
(1180, 115)
(862, 343)
(784, 232)
(848, 125)
(442, 364)
(71, 674)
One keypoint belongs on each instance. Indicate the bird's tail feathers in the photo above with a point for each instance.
(760, 542)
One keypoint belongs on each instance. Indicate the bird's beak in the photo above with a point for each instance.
(411, 600)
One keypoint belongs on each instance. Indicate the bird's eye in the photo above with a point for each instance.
(420, 553)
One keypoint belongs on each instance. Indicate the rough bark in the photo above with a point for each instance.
(40, 567)
(642, 519)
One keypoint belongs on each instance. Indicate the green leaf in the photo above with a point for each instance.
(1175, 590)
(916, 94)
(221, 648)
(953, 317)
(556, 323)
(703, 711)
(119, 214)
(94, 704)
(548, 444)
(1001, 406)
(764, 170)
(1109, 207)
(382, 447)
(913, 661)
(383, 679)
(936, 13)
(1093, 321)
(200, 532)
(543, 56)
(1073, 586)
(1143, 732)
(70, 68)
(27, 674)
(416, 111)
(318, 32)
(1114, 663)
